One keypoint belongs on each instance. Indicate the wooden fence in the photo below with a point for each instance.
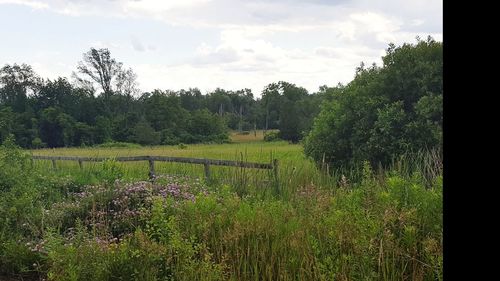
(151, 159)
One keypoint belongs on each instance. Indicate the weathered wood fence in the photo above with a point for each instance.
(151, 159)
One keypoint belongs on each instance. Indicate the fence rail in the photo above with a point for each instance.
(152, 159)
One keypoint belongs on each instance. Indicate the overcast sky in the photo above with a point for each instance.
(232, 44)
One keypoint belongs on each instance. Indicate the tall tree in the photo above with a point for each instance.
(126, 82)
(103, 70)
(17, 82)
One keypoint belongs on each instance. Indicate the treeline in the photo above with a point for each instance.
(102, 104)
(384, 112)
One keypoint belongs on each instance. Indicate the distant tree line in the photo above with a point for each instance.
(384, 112)
(102, 103)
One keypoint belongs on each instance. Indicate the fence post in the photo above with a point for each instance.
(80, 163)
(151, 169)
(54, 164)
(275, 168)
(207, 171)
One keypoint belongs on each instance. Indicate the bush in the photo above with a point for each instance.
(272, 136)
(109, 171)
(14, 165)
(144, 134)
(385, 111)
(169, 137)
(38, 143)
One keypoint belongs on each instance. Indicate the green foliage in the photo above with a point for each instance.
(272, 136)
(14, 165)
(385, 111)
(290, 109)
(102, 129)
(38, 143)
(109, 171)
(63, 114)
(6, 122)
(207, 127)
(20, 205)
(144, 134)
(386, 226)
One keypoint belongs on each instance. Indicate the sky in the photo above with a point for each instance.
(231, 44)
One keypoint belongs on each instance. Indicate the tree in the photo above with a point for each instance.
(6, 122)
(288, 108)
(271, 103)
(56, 127)
(102, 129)
(385, 111)
(163, 110)
(126, 82)
(144, 134)
(55, 93)
(243, 109)
(98, 66)
(192, 99)
(17, 82)
(290, 115)
(205, 126)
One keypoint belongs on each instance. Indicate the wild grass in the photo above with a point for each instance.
(311, 224)
(293, 165)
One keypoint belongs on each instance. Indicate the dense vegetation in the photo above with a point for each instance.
(103, 104)
(385, 111)
(74, 224)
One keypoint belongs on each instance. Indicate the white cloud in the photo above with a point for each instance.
(29, 3)
(137, 45)
(220, 55)
(417, 22)
(105, 44)
(241, 61)
(309, 43)
(159, 6)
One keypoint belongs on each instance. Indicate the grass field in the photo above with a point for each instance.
(253, 151)
(248, 136)
(294, 167)
(104, 222)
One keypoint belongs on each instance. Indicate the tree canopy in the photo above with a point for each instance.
(385, 111)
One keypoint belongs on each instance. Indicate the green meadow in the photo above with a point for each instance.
(294, 168)
(108, 222)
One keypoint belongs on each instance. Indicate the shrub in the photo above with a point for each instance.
(38, 143)
(272, 136)
(385, 111)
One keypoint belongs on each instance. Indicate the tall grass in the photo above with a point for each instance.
(309, 223)
(426, 164)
